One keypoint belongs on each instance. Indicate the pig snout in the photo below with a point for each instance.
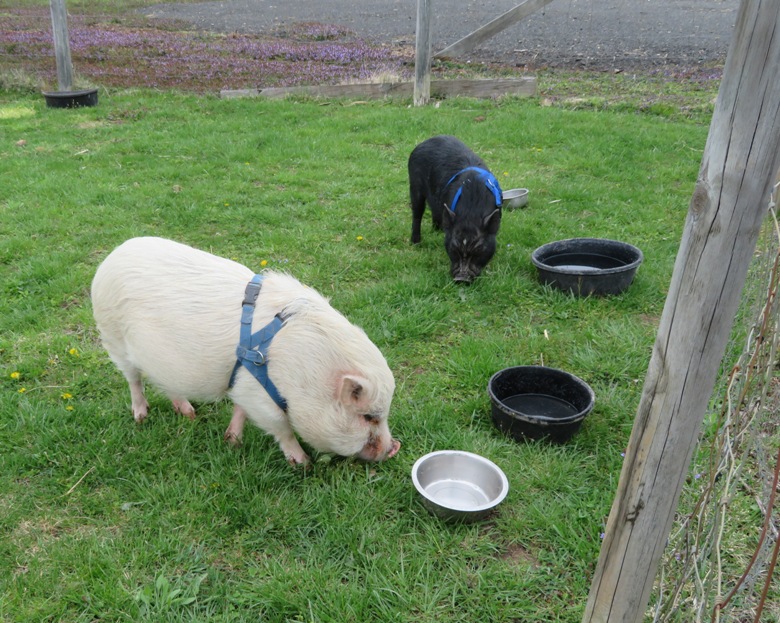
(464, 273)
(395, 446)
(376, 450)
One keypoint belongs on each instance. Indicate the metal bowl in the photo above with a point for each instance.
(586, 266)
(533, 402)
(458, 485)
(515, 198)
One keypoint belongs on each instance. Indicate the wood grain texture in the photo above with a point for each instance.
(422, 54)
(59, 22)
(724, 218)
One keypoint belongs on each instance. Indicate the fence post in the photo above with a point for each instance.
(726, 211)
(422, 59)
(59, 23)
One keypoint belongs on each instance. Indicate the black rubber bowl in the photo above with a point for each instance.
(587, 266)
(71, 99)
(534, 402)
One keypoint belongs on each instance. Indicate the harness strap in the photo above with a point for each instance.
(483, 175)
(252, 349)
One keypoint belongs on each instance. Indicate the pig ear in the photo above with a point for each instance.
(352, 391)
(492, 221)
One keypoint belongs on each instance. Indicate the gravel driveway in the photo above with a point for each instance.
(595, 34)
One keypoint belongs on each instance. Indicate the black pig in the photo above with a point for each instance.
(465, 201)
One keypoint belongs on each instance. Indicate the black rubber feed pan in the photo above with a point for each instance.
(71, 99)
(587, 266)
(534, 402)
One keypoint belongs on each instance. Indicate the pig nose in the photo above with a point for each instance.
(389, 452)
(375, 451)
(395, 446)
(464, 273)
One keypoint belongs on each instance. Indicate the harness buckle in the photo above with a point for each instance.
(251, 293)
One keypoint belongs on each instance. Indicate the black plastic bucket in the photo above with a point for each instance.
(71, 99)
(587, 266)
(532, 402)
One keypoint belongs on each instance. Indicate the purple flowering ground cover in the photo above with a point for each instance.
(127, 50)
(131, 52)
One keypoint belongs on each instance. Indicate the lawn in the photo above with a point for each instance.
(103, 519)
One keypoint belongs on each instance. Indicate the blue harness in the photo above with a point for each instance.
(252, 349)
(484, 176)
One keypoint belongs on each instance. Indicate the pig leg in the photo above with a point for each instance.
(418, 208)
(139, 404)
(133, 376)
(184, 407)
(292, 450)
(235, 429)
(285, 436)
(279, 428)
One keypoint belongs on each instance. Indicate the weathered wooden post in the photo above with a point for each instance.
(65, 97)
(725, 214)
(59, 22)
(422, 59)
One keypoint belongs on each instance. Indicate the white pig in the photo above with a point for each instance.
(172, 313)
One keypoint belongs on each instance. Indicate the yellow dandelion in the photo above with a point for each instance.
(22, 390)
(359, 238)
(16, 375)
(505, 173)
(66, 396)
(69, 408)
(264, 263)
(73, 352)
(227, 205)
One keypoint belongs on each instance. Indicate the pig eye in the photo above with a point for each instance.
(370, 418)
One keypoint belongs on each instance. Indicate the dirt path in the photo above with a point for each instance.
(596, 34)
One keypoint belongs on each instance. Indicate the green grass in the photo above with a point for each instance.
(101, 519)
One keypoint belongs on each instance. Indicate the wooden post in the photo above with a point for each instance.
(59, 22)
(725, 214)
(493, 27)
(422, 59)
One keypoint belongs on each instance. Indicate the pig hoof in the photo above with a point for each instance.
(233, 439)
(185, 408)
(140, 412)
(295, 460)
